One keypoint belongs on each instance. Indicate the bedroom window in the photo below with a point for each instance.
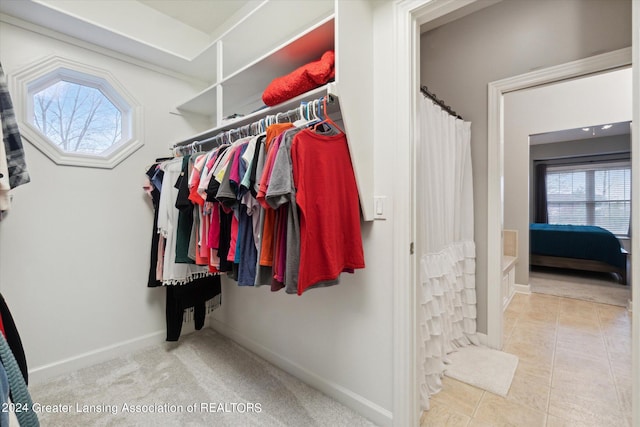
(594, 194)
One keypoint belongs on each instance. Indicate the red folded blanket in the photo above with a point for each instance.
(303, 79)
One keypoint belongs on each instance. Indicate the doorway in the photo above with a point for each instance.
(409, 15)
(496, 165)
(544, 126)
(551, 329)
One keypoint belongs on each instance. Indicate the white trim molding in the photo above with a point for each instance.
(405, 390)
(47, 71)
(495, 164)
(522, 289)
(367, 408)
(408, 16)
(635, 217)
(41, 374)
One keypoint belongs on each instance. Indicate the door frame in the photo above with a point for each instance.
(408, 16)
(495, 164)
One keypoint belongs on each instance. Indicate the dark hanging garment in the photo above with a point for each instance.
(13, 338)
(225, 240)
(214, 185)
(185, 215)
(193, 294)
(254, 166)
(153, 176)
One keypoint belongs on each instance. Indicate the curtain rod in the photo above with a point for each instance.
(259, 124)
(432, 96)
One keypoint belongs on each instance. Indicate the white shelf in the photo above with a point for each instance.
(242, 90)
(203, 103)
(268, 43)
(274, 24)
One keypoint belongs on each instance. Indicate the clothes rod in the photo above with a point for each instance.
(294, 103)
(432, 96)
(258, 126)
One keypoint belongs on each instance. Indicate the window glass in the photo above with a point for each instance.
(590, 195)
(77, 118)
(76, 114)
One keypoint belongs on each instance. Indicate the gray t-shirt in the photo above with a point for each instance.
(281, 190)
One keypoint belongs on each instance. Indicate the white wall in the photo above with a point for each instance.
(340, 335)
(600, 99)
(74, 254)
(74, 249)
(459, 59)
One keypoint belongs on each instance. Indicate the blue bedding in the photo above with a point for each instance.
(577, 241)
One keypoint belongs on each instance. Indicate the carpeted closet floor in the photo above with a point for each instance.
(184, 384)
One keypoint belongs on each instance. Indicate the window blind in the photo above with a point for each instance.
(594, 194)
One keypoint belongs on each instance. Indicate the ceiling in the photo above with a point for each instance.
(177, 35)
(595, 131)
(457, 14)
(203, 15)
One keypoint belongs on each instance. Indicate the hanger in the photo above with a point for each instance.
(301, 111)
(324, 117)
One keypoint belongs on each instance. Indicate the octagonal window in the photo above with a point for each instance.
(77, 115)
(77, 118)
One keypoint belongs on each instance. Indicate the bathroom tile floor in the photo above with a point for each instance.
(574, 370)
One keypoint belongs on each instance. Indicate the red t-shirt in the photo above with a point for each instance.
(327, 197)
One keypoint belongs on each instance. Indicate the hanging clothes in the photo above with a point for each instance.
(10, 333)
(175, 271)
(17, 387)
(153, 191)
(327, 197)
(185, 215)
(188, 286)
(14, 364)
(5, 187)
(268, 215)
(13, 166)
(280, 209)
(4, 396)
(193, 295)
(18, 174)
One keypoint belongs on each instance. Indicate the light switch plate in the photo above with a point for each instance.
(380, 207)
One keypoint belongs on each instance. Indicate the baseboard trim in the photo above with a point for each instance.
(482, 339)
(363, 406)
(522, 289)
(506, 303)
(46, 372)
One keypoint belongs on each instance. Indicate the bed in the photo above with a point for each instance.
(578, 247)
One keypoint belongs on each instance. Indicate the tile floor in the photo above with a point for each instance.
(574, 370)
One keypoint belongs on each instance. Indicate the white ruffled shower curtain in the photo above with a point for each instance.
(446, 286)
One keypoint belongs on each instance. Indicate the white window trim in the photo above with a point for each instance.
(34, 76)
